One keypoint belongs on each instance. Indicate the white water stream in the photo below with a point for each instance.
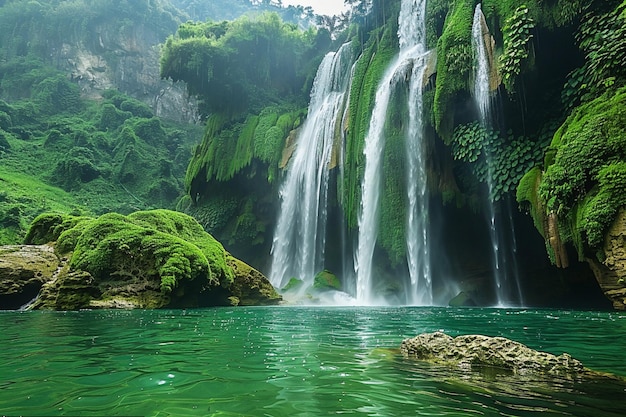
(504, 264)
(409, 64)
(300, 236)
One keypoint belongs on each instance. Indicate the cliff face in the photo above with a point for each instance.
(611, 273)
(128, 60)
(102, 45)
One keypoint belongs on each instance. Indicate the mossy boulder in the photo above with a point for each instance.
(293, 284)
(250, 287)
(326, 280)
(148, 259)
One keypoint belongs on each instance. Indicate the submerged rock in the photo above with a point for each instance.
(476, 351)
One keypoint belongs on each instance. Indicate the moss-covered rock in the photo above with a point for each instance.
(250, 287)
(148, 259)
(326, 280)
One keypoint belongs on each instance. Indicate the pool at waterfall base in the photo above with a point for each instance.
(296, 361)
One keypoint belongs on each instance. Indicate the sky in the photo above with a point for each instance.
(327, 7)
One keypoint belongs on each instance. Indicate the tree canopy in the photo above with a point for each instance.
(245, 64)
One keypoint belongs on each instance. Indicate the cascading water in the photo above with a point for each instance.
(417, 239)
(300, 236)
(410, 64)
(482, 94)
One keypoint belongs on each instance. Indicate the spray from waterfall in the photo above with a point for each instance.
(298, 248)
(410, 64)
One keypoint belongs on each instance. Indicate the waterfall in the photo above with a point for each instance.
(300, 235)
(410, 64)
(505, 268)
(481, 75)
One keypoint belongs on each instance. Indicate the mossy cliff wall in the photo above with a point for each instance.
(543, 54)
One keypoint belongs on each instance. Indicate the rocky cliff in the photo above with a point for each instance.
(128, 60)
(611, 273)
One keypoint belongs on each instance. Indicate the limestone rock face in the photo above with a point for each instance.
(69, 291)
(129, 61)
(611, 274)
(472, 351)
(24, 269)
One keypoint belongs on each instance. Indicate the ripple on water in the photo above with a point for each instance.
(293, 361)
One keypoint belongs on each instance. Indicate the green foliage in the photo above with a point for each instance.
(214, 60)
(436, 12)
(602, 38)
(368, 71)
(107, 158)
(56, 94)
(454, 65)
(586, 184)
(494, 157)
(5, 146)
(517, 35)
(75, 169)
(5, 121)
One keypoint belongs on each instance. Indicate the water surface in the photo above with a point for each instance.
(293, 361)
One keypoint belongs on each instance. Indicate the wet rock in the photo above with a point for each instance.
(473, 352)
(24, 269)
(69, 291)
(250, 287)
(611, 273)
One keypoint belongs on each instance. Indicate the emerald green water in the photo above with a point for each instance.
(293, 361)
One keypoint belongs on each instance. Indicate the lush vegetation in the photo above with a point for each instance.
(555, 138)
(582, 180)
(252, 77)
(61, 152)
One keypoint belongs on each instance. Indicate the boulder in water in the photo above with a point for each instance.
(476, 351)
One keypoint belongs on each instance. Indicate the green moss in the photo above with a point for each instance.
(368, 73)
(158, 244)
(187, 228)
(585, 185)
(600, 211)
(48, 227)
(393, 204)
(592, 137)
(229, 146)
(326, 280)
(293, 284)
(454, 65)
(528, 197)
